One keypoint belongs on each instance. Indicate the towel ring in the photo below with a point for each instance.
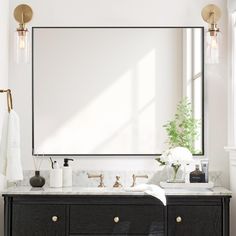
(9, 98)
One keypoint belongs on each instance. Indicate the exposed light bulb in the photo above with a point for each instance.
(214, 42)
(212, 50)
(22, 42)
(22, 46)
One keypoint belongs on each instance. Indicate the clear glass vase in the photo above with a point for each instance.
(176, 173)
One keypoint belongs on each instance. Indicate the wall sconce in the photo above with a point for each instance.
(22, 14)
(211, 14)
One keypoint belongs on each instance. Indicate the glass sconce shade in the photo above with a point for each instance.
(23, 14)
(22, 46)
(211, 14)
(212, 47)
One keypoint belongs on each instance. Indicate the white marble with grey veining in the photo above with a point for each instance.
(80, 177)
(84, 186)
(25, 190)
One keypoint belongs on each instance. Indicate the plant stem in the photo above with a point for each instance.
(175, 168)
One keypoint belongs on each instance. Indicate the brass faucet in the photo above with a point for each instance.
(101, 176)
(137, 176)
(117, 184)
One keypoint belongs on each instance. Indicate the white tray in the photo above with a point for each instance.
(187, 185)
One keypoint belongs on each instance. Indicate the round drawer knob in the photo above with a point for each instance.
(178, 219)
(55, 218)
(116, 219)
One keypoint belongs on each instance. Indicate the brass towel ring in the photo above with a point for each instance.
(9, 98)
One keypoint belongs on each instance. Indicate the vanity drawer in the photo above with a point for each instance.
(38, 220)
(117, 220)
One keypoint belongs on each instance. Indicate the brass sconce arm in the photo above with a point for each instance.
(211, 14)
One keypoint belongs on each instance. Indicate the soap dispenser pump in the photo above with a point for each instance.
(67, 173)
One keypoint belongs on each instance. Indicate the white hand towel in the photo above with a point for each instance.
(152, 190)
(3, 145)
(11, 165)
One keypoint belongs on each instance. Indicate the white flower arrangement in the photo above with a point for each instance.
(175, 157)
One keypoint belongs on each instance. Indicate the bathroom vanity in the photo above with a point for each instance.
(92, 211)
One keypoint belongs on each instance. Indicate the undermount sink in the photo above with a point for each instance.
(89, 190)
(106, 189)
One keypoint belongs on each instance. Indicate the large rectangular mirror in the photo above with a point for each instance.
(110, 90)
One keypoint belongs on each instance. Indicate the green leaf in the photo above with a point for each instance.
(183, 129)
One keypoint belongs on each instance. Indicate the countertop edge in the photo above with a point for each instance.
(76, 191)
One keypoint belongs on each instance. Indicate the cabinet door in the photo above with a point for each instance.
(38, 220)
(194, 220)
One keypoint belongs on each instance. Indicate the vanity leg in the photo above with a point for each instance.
(226, 217)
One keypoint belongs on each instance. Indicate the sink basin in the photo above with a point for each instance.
(105, 190)
(90, 191)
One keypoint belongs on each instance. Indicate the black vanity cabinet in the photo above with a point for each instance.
(198, 216)
(30, 215)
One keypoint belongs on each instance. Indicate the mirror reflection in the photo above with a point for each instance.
(109, 91)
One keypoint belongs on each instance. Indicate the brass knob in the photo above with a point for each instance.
(116, 219)
(178, 219)
(55, 218)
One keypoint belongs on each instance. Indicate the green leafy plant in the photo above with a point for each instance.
(183, 129)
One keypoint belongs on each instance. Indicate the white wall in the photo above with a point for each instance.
(128, 13)
(4, 37)
(231, 5)
(4, 30)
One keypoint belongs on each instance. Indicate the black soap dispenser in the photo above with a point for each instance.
(67, 173)
(197, 176)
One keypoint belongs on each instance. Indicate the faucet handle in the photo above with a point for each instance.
(117, 184)
(137, 176)
(101, 176)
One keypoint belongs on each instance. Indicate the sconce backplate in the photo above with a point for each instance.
(211, 13)
(23, 13)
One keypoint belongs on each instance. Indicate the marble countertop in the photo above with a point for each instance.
(23, 190)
